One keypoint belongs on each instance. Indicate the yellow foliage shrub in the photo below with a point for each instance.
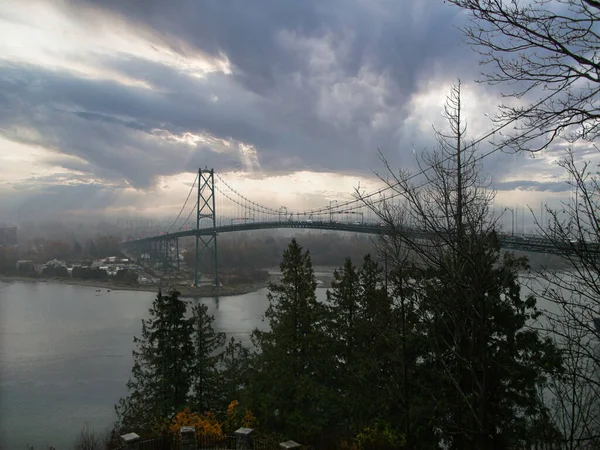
(206, 424)
(231, 408)
(249, 420)
(229, 425)
(233, 420)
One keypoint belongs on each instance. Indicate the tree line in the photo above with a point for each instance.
(440, 346)
(184, 372)
(405, 359)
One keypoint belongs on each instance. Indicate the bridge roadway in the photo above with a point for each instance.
(525, 243)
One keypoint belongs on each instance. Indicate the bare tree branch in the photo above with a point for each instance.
(542, 45)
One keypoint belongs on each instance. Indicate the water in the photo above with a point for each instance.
(65, 355)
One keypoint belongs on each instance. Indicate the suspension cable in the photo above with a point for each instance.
(185, 203)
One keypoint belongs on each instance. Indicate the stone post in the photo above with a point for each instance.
(242, 440)
(131, 441)
(188, 438)
(290, 445)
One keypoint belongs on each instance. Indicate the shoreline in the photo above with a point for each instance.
(186, 291)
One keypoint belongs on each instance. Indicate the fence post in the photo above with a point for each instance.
(242, 441)
(290, 445)
(131, 441)
(188, 438)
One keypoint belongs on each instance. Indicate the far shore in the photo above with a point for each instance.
(186, 290)
(324, 274)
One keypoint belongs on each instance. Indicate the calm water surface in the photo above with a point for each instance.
(65, 355)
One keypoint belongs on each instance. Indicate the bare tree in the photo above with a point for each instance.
(548, 48)
(449, 202)
(575, 408)
(574, 302)
(472, 379)
(574, 231)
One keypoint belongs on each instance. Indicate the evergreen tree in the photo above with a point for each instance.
(375, 309)
(376, 342)
(205, 378)
(484, 364)
(162, 363)
(405, 330)
(479, 366)
(341, 324)
(358, 325)
(234, 370)
(286, 382)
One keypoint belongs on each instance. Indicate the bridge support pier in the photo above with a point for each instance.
(207, 257)
(160, 254)
(168, 252)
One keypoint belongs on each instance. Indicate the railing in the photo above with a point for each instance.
(232, 442)
(175, 443)
(243, 439)
(246, 439)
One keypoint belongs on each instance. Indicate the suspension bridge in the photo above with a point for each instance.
(216, 207)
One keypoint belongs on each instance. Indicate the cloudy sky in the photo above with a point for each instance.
(110, 106)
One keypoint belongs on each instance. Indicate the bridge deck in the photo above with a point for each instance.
(527, 243)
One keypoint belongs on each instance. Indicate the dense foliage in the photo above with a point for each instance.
(206, 392)
(126, 276)
(55, 272)
(286, 386)
(391, 360)
(180, 370)
(426, 361)
(162, 368)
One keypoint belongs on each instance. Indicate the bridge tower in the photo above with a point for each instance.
(206, 246)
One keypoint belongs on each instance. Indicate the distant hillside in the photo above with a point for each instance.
(326, 249)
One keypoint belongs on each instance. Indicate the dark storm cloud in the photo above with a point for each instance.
(241, 31)
(394, 36)
(315, 85)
